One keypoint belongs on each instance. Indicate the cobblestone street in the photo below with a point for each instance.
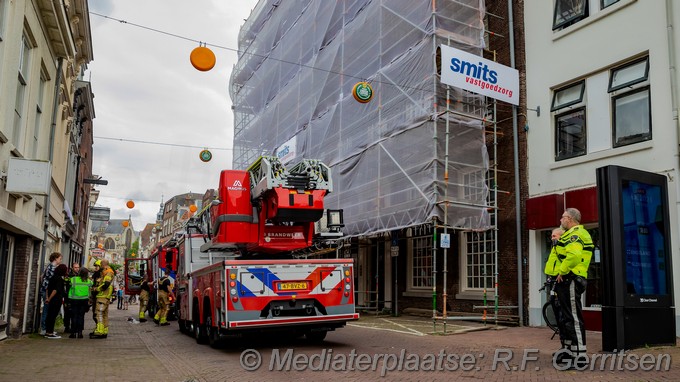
(377, 345)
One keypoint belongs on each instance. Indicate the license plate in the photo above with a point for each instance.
(293, 286)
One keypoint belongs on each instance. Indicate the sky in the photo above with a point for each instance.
(145, 89)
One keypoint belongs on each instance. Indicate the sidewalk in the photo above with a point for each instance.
(35, 358)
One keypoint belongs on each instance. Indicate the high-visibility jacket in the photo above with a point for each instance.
(79, 290)
(578, 250)
(552, 266)
(104, 291)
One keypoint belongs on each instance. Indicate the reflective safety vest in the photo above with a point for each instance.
(578, 250)
(79, 290)
(552, 266)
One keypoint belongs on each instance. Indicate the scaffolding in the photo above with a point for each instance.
(415, 154)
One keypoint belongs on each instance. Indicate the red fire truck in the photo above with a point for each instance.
(237, 269)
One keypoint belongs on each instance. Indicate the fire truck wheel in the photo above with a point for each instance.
(212, 333)
(316, 336)
(199, 331)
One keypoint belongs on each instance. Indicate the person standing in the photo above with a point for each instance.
(68, 313)
(164, 294)
(93, 294)
(104, 291)
(78, 295)
(55, 260)
(571, 282)
(54, 299)
(144, 297)
(552, 268)
(119, 297)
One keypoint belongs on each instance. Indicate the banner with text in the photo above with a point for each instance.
(479, 75)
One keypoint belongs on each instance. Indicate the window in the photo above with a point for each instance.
(629, 75)
(605, 3)
(24, 69)
(421, 262)
(631, 103)
(568, 12)
(571, 134)
(632, 120)
(477, 269)
(568, 96)
(570, 124)
(38, 116)
(2, 18)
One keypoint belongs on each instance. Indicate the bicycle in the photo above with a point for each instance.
(551, 307)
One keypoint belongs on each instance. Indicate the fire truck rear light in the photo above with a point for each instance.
(232, 276)
(233, 292)
(232, 284)
(346, 294)
(347, 279)
(347, 273)
(234, 299)
(347, 286)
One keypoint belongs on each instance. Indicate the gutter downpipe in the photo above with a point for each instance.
(515, 141)
(46, 216)
(674, 89)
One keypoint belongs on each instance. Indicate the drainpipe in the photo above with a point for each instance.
(674, 88)
(515, 141)
(46, 216)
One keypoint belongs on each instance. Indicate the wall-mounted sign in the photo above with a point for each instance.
(476, 74)
(27, 176)
(100, 213)
(362, 92)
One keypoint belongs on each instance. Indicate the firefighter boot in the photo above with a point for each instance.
(142, 318)
(164, 321)
(99, 332)
(156, 318)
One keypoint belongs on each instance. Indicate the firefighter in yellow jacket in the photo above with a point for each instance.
(164, 295)
(103, 290)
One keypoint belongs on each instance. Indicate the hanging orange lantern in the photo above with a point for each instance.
(202, 58)
(125, 223)
(100, 246)
(193, 208)
(130, 204)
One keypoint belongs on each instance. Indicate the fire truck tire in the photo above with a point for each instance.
(316, 336)
(199, 331)
(212, 333)
(182, 326)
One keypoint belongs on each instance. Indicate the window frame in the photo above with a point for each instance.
(572, 20)
(487, 279)
(648, 136)
(584, 132)
(603, 5)
(427, 255)
(581, 83)
(636, 81)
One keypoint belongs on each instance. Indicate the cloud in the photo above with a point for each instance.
(146, 89)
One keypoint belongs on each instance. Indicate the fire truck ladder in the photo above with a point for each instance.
(268, 172)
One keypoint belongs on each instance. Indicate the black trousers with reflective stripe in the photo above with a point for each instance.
(569, 293)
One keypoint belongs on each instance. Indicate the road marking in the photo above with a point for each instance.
(417, 332)
(407, 331)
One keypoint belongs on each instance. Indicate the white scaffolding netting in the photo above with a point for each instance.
(292, 86)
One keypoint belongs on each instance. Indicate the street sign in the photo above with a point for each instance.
(100, 213)
(445, 240)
